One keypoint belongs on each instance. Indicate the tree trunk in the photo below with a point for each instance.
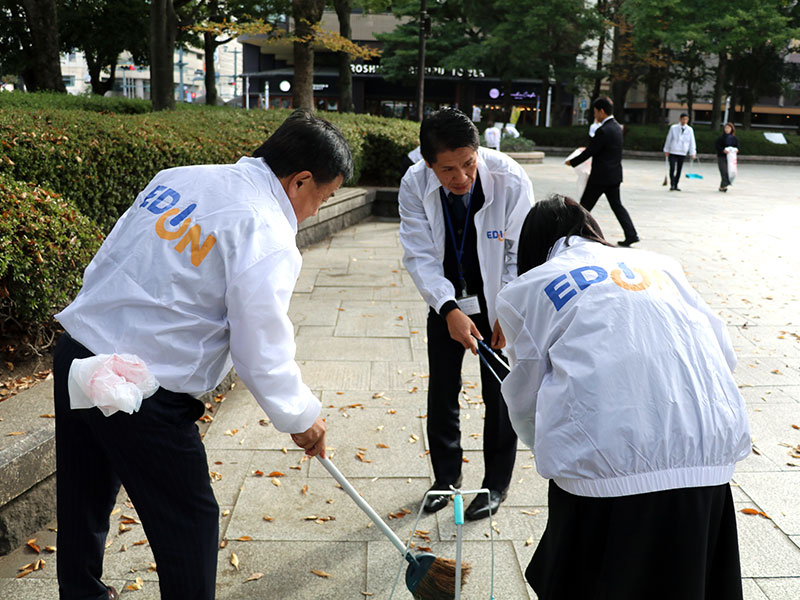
(306, 14)
(210, 46)
(747, 115)
(95, 67)
(602, 7)
(719, 91)
(653, 80)
(343, 8)
(619, 91)
(44, 72)
(163, 27)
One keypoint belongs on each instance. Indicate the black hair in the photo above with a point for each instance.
(605, 104)
(554, 217)
(446, 129)
(304, 142)
(683, 115)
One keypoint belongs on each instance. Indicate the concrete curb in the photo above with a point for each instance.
(781, 160)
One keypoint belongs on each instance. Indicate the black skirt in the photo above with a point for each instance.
(677, 544)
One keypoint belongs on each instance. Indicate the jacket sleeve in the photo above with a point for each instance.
(262, 341)
(595, 146)
(519, 203)
(668, 141)
(521, 386)
(692, 144)
(419, 256)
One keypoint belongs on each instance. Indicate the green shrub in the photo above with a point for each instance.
(651, 138)
(45, 244)
(520, 144)
(53, 101)
(101, 161)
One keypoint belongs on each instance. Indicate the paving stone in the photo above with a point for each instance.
(765, 551)
(307, 311)
(758, 396)
(371, 319)
(286, 568)
(230, 468)
(336, 375)
(787, 588)
(403, 376)
(751, 591)
(768, 371)
(776, 495)
(773, 341)
(360, 349)
(773, 435)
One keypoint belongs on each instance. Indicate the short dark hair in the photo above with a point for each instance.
(446, 129)
(304, 142)
(605, 104)
(683, 115)
(554, 217)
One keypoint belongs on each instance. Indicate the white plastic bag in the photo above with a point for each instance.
(110, 382)
(583, 171)
(732, 162)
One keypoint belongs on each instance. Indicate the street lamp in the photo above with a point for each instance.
(424, 31)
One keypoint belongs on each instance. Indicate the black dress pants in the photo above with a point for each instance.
(675, 167)
(722, 164)
(445, 356)
(593, 192)
(157, 454)
(667, 545)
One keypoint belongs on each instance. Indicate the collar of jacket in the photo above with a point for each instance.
(484, 174)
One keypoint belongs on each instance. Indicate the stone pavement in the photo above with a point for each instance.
(361, 345)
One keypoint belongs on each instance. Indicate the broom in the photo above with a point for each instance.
(427, 577)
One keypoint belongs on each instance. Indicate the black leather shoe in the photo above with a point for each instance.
(436, 503)
(626, 243)
(484, 506)
(112, 593)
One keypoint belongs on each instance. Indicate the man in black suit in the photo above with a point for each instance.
(605, 150)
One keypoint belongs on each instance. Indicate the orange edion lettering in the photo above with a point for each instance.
(198, 252)
(164, 233)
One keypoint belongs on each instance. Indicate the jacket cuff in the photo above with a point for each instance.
(447, 307)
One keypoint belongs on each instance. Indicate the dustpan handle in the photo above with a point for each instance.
(362, 504)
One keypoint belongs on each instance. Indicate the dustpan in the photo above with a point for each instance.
(458, 515)
(691, 174)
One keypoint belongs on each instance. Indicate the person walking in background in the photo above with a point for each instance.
(460, 215)
(724, 144)
(679, 144)
(605, 150)
(621, 383)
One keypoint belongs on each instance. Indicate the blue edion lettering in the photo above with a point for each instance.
(151, 194)
(580, 279)
(164, 202)
(554, 291)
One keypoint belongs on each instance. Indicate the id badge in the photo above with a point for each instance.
(469, 305)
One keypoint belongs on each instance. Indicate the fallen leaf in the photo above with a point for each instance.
(206, 418)
(231, 432)
(381, 445)
(152, 568)
(529, 541)
(50, 549)
(319, 573)
(263, 422)
(235, 560)
(123, 528)
(31, 543)
(311, 518)
(140, 542)
(276, 474)
(377, 395)
(258, 473)
(391, 411)
(268, 518)
(47, 416)
(530, 512)
(15, 433)
(753, 511)
(136, 585)
(795, 427)
(244, 538)
(360, 456)
(254, 577)
(215, 476)
(304, 490)
(276, 482)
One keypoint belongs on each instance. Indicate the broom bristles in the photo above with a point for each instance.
(439, 582)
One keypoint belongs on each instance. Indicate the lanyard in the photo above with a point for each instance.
(451, 229)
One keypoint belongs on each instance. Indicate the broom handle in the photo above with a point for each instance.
(362, 504)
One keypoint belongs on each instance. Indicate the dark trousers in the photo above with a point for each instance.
(593, 192)
(445, 356)
(675, 167)
(157, 454)
(666, 545)
(722, 163)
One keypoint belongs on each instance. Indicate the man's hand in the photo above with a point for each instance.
(694, 156)
(312, 440)
(498, 339)
(462, 329)
(666, 153)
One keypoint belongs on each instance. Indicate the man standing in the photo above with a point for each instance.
(605, 150)
(461, 211)
(195, 277)
(679, 144)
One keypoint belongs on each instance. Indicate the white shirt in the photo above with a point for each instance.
(508, 196)
(197, 276)
(680, 140)
(621, 375)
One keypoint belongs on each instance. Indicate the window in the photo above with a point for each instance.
(69, 80)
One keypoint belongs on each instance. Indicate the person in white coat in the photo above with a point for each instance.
(621, 383)
(679, 144)
(194, 278)
(460, 215)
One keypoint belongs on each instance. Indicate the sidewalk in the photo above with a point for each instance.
(360, 327)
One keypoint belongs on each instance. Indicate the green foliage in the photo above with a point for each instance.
(54, 101)
(520, 144)
(651, 138)
(101, 161)
(45, 244)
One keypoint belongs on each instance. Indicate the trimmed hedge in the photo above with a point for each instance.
(45, 244)
(101, 161)
(53, 101)
(651, 138)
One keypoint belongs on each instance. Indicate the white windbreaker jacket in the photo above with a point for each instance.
(197, 276)
(621, 375)
(680, 140)
(508, 198)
